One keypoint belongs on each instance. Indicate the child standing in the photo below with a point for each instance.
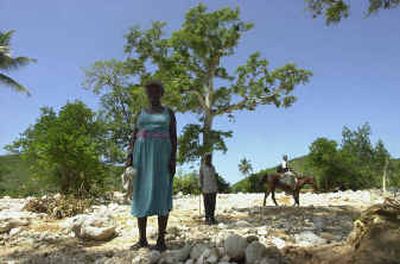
(209, 188)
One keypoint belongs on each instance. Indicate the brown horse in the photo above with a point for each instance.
(273, 181)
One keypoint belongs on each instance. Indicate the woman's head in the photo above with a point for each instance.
(207, 159)
(154, 91)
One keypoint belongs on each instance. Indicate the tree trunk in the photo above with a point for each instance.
(207, 127)
(208, 118)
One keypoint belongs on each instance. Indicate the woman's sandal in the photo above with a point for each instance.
(160, 246)
(140, 244)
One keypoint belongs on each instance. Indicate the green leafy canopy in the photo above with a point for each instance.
(335, 10)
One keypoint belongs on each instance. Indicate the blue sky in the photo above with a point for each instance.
(355, 65)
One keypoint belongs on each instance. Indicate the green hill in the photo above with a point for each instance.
(14, 177)
(16, 181)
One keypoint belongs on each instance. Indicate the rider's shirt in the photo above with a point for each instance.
(284, 164)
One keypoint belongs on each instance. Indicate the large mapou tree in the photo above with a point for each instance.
(190, 63)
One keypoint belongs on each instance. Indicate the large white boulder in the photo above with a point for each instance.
(235, 246)
(91, 227)
(10, 219)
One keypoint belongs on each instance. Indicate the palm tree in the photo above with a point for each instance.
(245, 167)
(8, 63)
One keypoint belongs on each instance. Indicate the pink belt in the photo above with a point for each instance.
(153, 134)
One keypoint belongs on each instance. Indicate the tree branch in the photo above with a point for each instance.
(243, 103)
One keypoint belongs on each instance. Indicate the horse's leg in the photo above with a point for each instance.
(297, 196)
(273, 197)
(294, 198)
(266, 194)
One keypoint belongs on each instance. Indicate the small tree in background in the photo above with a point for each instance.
(325, 157)
(120, 101)
(382, 162)
(355, 164)
(64, 149)
(246, 169)
(357, 157)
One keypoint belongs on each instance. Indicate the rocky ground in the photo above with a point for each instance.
(317, 232)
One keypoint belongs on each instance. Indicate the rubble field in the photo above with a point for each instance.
(349, 227)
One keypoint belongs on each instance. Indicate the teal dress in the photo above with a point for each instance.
(152, 186)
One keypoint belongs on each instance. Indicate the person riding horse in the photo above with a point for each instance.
(286, 173)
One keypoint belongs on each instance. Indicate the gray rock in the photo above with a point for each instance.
(255, 251)
(268, 260)
(200, 260)
(168, 258)
(97, 233)
(242, 223)
(6, 224)
(213, 256)
(183, 253)
(252, 238)
(225, 258)
(221, 251)
(153, 257)
(197, 251)
(91, 227)
(235, 246)
(319, 223)
(272, 256)
(15, 231)
(262, 231)
(219, 239)
(278, 242)
(308, 238)
(221, 226)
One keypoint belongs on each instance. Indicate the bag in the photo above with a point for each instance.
(127, 179)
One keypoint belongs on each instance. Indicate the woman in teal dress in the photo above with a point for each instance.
(153, 153)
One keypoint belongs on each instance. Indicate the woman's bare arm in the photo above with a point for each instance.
(173, 135)
(132, 139)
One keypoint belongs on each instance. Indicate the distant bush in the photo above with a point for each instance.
(223, 186)
(189, 184)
